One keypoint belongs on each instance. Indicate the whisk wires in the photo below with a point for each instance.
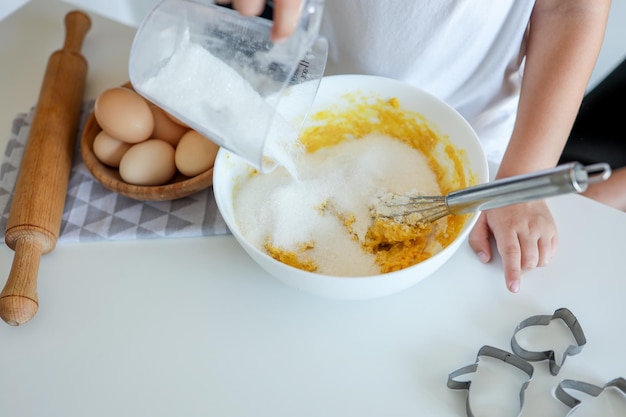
(410, 209)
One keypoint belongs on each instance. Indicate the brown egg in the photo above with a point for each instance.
(124, 115)
(109, 150)
(195, 154)
(164, 127)
(177, 121)
(150, 162)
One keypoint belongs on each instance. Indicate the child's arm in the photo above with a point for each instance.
(563, 45)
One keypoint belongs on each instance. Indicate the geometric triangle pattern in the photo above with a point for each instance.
(93, 213)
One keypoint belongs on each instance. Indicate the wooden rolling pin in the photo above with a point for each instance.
(34, 221)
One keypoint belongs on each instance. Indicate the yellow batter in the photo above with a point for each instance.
(395, 246)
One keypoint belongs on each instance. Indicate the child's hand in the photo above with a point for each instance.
(525, 234)
(286, 14)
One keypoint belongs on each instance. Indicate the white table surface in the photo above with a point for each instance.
(192, 327)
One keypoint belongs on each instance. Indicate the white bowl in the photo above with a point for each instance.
(230, 170)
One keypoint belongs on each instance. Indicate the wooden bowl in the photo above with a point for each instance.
(178, 187)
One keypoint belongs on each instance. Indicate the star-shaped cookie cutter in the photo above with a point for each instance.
(570, 320)
(498, 354)
(585, 387)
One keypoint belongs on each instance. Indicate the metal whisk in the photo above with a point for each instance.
(420, 209)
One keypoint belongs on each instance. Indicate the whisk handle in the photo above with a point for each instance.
(563, 179)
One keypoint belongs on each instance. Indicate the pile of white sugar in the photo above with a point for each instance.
(199, 87)
(285, 210)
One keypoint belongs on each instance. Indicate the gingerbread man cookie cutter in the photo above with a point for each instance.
(498, 354)
(570, 321)
(584, 387)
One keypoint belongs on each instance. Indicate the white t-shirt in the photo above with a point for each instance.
(469, 53)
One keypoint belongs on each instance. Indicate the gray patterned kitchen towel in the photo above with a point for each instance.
(94, 213)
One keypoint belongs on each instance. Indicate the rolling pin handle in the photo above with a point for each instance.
(18, 300)
(77, 24)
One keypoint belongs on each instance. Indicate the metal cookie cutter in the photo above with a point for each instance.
(593, 390)
(496, 353)
(542, 320)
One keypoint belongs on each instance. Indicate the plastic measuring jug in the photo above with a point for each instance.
(218, 72)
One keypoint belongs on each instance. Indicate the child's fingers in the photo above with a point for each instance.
(286, 15)
(511, 253)
(248, 7)
(479, 239)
